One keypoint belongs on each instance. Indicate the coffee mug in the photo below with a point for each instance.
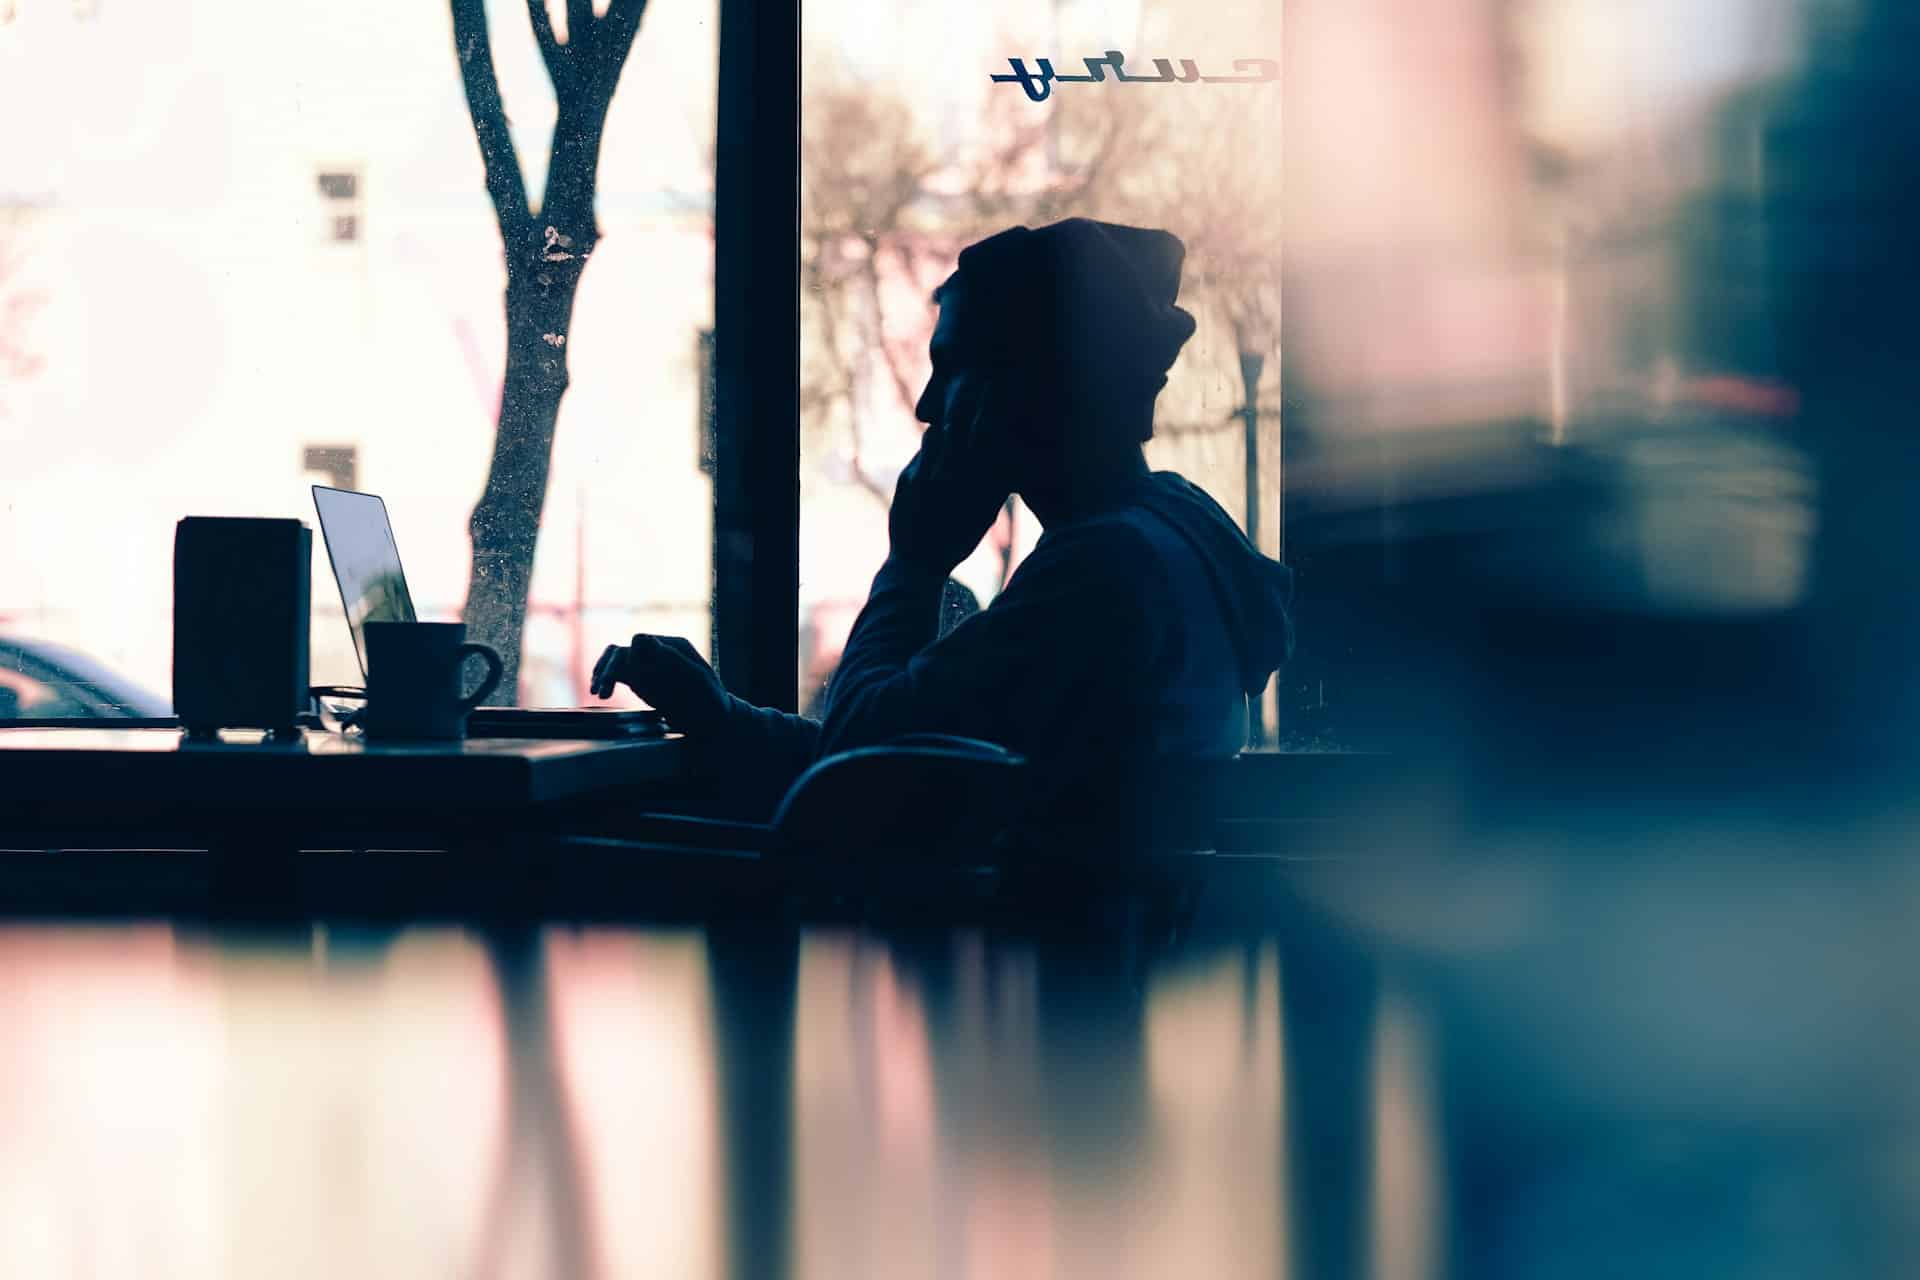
(413, 680)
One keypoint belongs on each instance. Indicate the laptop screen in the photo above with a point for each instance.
(366, 561)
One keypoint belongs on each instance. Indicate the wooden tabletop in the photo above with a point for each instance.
(92, 775)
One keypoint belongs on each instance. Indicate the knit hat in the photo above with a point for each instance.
(1088, 303)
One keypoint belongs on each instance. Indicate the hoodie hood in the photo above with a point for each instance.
(1254, 590)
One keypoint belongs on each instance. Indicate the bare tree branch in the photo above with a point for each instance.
(868, 194)
(580, 27)
(1233, 421)
(505, 186)
(863, 169)
(558, 57)
(845, 388)
(613, 37)
(574, 168)
(901, 387)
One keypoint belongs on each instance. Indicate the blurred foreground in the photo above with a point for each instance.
(1535, 1048)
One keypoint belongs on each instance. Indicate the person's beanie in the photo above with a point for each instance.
(1093, 302)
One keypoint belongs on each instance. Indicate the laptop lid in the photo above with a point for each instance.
(366, 561)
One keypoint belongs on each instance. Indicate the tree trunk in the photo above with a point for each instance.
(542, 280)
(546, 253)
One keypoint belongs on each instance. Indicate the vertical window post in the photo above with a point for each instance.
(756, 307)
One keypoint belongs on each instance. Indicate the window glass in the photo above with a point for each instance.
(1532, 295)
(27, 696)
(910, 151)
(246, 252)
(1546, 263)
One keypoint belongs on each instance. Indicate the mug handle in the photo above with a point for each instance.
(495, 668)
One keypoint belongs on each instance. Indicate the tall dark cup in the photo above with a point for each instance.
(414, 672)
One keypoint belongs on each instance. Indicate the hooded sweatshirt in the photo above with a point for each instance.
(1134, 634)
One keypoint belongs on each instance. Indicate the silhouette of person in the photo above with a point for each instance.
(956, 606)
(1142, 620)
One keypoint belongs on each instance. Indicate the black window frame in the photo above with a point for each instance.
(756, 354)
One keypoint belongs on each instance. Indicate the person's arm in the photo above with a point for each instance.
(1044, 665)
(754, 753)
(901, 617)
(1034, 669)
(783, 744)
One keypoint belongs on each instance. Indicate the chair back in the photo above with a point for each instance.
(920, 793)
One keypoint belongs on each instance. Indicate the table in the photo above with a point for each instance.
(132, 775)
(1597, 1041)
(244, 817)
(134, 781)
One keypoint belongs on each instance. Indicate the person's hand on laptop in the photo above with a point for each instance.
(670, 676)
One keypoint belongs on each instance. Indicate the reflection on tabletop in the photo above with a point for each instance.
(1662, 1070)
(309, 742)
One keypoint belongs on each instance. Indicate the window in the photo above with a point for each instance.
(23, 696)
(1527, 335)
(339, 186)
(1552, 246)
(703, 422)
(340, 196)
(908, 156)
(49, 682)
(209, 263)
(336, 465)
(252, 272)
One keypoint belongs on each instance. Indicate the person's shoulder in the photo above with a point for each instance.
(1109, 561)
(1112, 539)
(1164, 487)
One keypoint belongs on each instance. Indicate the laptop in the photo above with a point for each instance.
(373, 588)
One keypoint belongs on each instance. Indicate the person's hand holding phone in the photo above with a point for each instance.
(952, 491)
